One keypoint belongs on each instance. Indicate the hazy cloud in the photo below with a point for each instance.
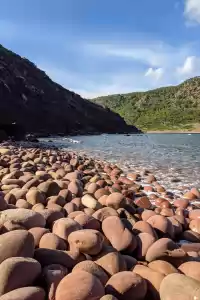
(155, 74)
(192, 10)
(152, 53)
(190, 67)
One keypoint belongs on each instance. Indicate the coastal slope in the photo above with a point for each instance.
(29, 98)
(167, 108)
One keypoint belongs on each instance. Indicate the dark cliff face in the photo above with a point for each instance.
(39, 105)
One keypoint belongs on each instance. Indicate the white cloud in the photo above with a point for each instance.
(190, 67)
(88, 87)
(163, 63)
(102, 90)
(152, 53)
(150, 66)
(112, 83)
(155, 74)
(192, 10)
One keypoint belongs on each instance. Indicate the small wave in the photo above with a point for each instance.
(174, 159)
(72, 141)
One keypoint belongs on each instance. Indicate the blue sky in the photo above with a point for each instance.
(101, 47)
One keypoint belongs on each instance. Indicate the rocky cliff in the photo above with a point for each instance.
(34, 102)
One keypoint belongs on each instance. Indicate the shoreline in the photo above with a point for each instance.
(195, 129)
(173, 132)
(174, 182)
(73, 218)
(83, 154)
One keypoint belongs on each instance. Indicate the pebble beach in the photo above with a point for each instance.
(77, 228)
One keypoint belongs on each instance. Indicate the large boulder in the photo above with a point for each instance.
(16, 243)
(25, 217)
(18, 272)
(80, 285)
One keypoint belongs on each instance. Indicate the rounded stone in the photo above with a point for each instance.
(92, 268)
(25, 293)
(80, 286)
(52, 241)
(18, 272)
(116, 200)
(16, 243)
(86, 241)
(126, 285)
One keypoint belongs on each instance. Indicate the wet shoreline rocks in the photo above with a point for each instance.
(82, 229)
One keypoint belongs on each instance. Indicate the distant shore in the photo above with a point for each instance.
(196, 129)
(173, 131)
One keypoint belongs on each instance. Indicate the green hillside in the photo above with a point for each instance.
(167, 108)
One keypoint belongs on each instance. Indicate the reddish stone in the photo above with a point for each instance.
(143, 202)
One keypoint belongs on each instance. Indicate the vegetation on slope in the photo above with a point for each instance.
(167, 108)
